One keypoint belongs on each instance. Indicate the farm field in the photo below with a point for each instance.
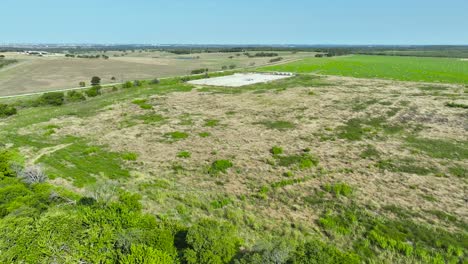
(376, 170)
(443, 70)
(36, 74)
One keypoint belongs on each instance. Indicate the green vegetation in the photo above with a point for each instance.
(52, 98)
(300, 161)
(358, 128)
(407, 165)
(456, 105)
(219, 166)
(385, 67)
(7, 110)
(439, 148)
(275, 150)
(176, 135)
(142, 103)
(88, 163)
(75, 96)
(204, 134)
(278, 124)
(184, 154)
(93, 91)
(338, 189)
(211, 123)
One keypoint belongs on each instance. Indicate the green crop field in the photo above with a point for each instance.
(387, 67)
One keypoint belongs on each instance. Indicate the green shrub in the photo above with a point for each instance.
(52, 98)
(131, 156)
(338, 189)
(127, 84)
(211, 242)
(211, 123)
(204, 134)
(275, 150)
(93, 91)
(141, 254)
(317, 252)
(176, 135)
(7, 110)
(302, 161)
(184, 154)
(220, 166)
(6, 162)
(75, 96)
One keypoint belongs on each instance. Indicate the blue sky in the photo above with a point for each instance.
(235, 22)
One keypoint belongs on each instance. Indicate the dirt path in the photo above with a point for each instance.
(47, 151)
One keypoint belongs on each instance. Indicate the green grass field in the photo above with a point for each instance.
(387, 67)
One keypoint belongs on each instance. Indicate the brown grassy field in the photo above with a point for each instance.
(35, 74)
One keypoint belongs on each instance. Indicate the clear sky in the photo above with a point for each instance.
(235, 21)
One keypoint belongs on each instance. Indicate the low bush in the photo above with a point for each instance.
(275, 150)
(211, 242)
(7, 110)
(75, 96)
(220, 166)
(93, 91)
(52, 98)
(127, 84)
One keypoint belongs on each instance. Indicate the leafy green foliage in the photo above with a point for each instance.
(317, 252)
(184, 154)
(339, 189)
(93, 91)
(300, 161)
(211, 242)
(75, 96)
(220, 166)
(52, 98)
(130, 156)
(275, 150)
(7, 110)
(6, 161)
(176, 135)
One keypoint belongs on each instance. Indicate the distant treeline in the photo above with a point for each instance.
(424, 51)
(87, 56)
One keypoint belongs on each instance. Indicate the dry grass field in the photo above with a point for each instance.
(37, 74)
(345, 159)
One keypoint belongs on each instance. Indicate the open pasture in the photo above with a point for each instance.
(443, 70)
(37, 74)
(342, 159)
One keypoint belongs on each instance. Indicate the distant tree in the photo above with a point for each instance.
(232, 66)
(224, 67)
(155, 81)
(2, 56)
(95, 81)
(82, 84)
(113, 78)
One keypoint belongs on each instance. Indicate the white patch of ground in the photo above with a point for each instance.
(241, 79)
